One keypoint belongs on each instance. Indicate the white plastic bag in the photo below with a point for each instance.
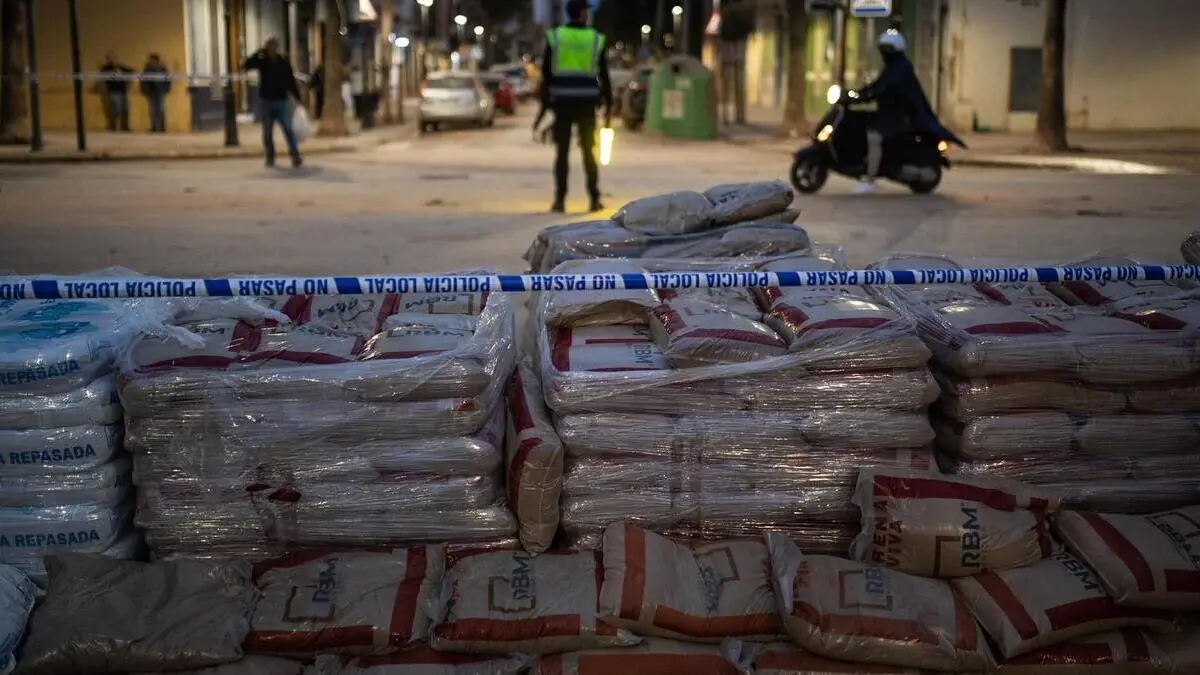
(17, 594)
(300, 124)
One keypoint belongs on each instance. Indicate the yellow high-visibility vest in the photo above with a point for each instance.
(575, 62)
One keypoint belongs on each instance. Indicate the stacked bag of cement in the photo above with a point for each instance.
(1190, 249)
(323, 421)
(64, 476)
(720, 412)
(726, 221)
(1087, 387)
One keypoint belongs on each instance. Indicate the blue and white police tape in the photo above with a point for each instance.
(35, 288)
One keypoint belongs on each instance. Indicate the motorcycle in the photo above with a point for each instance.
(840, 145)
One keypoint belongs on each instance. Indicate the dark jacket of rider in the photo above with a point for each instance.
(902, 106)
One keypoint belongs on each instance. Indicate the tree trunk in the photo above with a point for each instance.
(795, 120)
(1052, 110)
(14, 89)
(386, 49)
(333, 117)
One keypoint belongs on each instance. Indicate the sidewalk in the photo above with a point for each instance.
(110, 146)
(1099, 152)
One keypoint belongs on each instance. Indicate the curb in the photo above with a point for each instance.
(403, 133)
(1070, 163)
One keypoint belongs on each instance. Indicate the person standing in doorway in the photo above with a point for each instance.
(116, 92)
(155, 89)
(575, 81)
(276, 82)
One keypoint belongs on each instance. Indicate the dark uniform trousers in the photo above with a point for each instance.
(580, 115)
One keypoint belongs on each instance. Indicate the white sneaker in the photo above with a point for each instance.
(865, 187)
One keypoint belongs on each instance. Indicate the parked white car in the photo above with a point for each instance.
(455, 98)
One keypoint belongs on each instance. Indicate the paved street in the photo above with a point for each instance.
(475, 197)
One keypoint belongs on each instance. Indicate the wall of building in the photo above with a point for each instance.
(1121, 58)
(134, 29)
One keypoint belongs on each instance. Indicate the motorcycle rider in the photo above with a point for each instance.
(902, 105)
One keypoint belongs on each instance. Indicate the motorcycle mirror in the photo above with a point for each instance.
(834, 94)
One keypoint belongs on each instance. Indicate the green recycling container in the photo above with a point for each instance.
(683, 100)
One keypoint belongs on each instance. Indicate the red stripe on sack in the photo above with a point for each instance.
(1009, 604)
(1182, 581)
(670, 319)
(389, 306)
(904, 487)
(246, 338)
(1125, 550)
(992, 293)
(1099, 609)
(311, 358)
(198, 361)
(1080, 654)
(516, 470)
(408, 596)
(1137, 647)
(423, 656)
(326, 639)
(522, 416)
(614, 662)
(601, 627)
(511, 630)
(562, 339)
(741, 625)
(297, 308)
(966, 635)
(617, 341)
(633, 581)
(849, 322)
(1089, 294)
(1153, 320)
(560, 356)
(385, 356)
(1013, 328)
(735, 335)
(1041, 518)
(551, 664)
(898, 630)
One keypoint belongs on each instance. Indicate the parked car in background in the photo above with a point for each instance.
(518, 78)
(455, 98)
(502, 92)
(633, 98)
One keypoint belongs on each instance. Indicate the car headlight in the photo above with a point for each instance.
(834, 94)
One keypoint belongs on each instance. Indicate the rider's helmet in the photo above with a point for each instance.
(891, 41)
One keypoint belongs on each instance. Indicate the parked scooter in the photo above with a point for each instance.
(840, 145)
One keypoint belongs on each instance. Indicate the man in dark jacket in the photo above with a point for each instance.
(902, 106)
(155, 89)
(575, 82)
(116, 93)
(276, 82)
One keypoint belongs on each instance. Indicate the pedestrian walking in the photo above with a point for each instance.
(155, 89)
(575, 82)
(276, 82)
(116, 92)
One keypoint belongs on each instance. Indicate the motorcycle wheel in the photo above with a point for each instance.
(808, 176)
(926, 187)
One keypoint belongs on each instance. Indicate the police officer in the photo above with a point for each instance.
(574, 83)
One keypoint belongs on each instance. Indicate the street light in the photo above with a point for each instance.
(677, 12)
(645, 34)
(479, 31)
(461, 21)
(425, 5)
(403, 42)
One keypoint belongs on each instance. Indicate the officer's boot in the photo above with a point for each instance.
(558, 206)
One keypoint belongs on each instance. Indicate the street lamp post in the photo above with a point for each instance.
(479, 44)
(460, 21)
(646, 35)
(425, 5)
(677, 14)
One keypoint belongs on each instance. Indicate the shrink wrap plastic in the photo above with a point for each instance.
(352, 421)
(1088, 387)
(64, 478)
(733, 440)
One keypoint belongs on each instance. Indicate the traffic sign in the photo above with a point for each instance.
(870, 9)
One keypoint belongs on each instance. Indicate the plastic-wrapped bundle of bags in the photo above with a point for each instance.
(343, 420)
(721, 411)
(726, 221)
(64, 477)
(1086, 386)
